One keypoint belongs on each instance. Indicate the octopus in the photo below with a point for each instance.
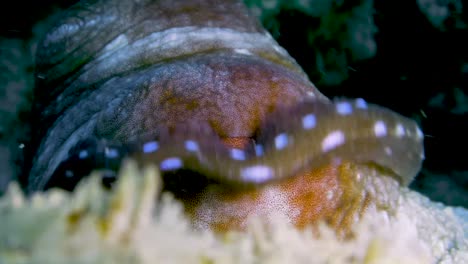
(203, 91)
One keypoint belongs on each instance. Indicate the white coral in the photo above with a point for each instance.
(129, 225)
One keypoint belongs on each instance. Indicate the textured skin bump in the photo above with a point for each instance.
(199, 88)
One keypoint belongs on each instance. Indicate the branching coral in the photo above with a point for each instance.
(128, 225)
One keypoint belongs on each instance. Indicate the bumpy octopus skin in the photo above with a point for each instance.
(199, 87)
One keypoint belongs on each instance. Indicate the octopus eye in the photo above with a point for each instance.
(86, 156)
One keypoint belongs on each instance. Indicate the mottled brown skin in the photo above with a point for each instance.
(302, 199)
(330, 194)
(235, 94)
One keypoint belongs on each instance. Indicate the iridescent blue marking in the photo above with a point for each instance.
(344, 108)
(259, 150)
(309, 121)
(281, 141)
(150, 147)
(172, 163)
(361, 103)
(191, 145)
(111, 153)
(237, 154)
(257, 173)
(380, 129)
(333, 140)
(83, 154)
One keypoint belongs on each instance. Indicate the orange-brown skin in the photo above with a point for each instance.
(302, 199)
(329, 194)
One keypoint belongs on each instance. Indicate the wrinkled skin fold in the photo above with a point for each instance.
(201, 86)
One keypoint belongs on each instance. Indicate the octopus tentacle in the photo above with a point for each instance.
(307, 136)
(297, 139)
